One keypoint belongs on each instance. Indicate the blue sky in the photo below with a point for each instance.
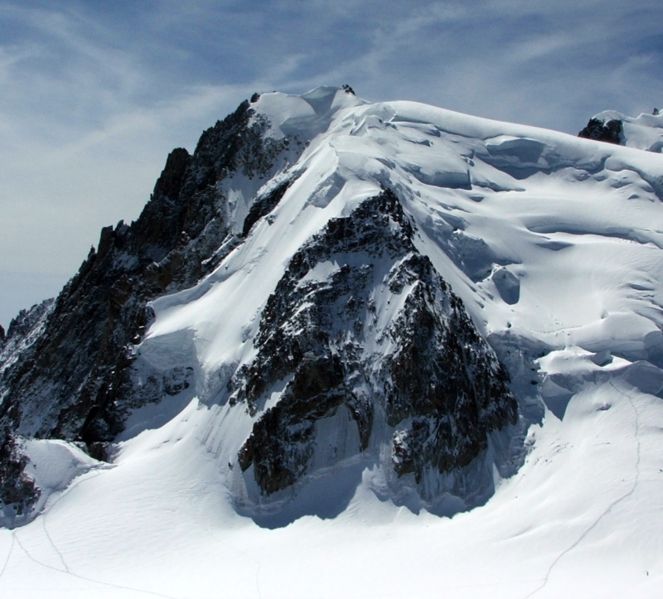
(94, 94)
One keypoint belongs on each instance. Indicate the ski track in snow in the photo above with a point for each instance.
(53, 545)
(46, 513)
(608, 509)
(65, 567)
(9, 555)
(112, 585)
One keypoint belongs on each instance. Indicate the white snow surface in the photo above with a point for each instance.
(53, 464)
(554, 244)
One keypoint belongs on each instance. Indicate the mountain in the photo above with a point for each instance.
(425, 345)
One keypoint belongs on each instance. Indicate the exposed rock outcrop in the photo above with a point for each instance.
(609, 131)
(361, 321)
(18, 491)
(24, 329)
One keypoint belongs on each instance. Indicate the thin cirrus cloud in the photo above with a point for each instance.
(94, 95)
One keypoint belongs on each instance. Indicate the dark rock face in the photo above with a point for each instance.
(361, 321)
(610, 131)
(73, 380)
(24, 322)
(17, 490)
(263, 206)
(24, 330)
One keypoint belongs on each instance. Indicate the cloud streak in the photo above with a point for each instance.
(95, 95)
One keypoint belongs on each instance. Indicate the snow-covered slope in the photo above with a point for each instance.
(372, 214)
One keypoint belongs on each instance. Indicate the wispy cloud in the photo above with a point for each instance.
(95, 94)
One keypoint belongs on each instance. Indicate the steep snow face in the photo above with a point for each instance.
(553, 244)
(487, 198)
(305, 116)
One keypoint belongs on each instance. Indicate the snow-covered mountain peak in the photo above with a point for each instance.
(303, 116)
(337, 308)
(489, 202)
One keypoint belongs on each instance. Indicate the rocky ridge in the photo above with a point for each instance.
(362, 322)
(65, 369)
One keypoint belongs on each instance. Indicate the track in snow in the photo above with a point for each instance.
(609, 508)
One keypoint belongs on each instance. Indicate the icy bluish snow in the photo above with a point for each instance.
(553, 242)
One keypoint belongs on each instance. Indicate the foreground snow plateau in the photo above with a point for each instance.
(554, 245)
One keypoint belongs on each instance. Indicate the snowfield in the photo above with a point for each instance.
(554, 243)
